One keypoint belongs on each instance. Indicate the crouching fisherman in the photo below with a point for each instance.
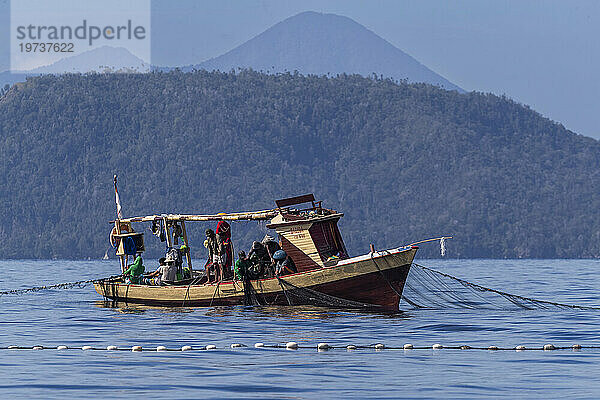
(284, 265)
(166, 272)
(135, 270)
(241, 267)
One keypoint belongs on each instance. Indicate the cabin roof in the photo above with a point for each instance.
(302, 219)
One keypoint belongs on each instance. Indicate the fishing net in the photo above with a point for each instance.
(427, 288)
(297, 295)
(66, 285)
(424, 288)
(293, 295)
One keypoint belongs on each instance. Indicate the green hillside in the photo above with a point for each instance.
(403, 161)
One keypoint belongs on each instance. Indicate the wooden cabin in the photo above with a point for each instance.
(310, 236)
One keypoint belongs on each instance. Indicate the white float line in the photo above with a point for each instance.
(295, 346)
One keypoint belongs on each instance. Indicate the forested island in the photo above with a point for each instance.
(403, 161)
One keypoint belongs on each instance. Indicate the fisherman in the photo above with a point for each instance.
(213, 261)
(135, 270)
(242, 266)
(284, 264)
(166, 272)
(183, 251)
(259, 259)
(177, 234)
(272, 246)
(224, 248)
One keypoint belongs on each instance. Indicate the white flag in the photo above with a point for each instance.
(117, 200)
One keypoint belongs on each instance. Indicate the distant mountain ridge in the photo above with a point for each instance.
(316, 43)
(101, 59)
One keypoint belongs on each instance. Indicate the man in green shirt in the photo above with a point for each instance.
(135, 270)
(241, 266)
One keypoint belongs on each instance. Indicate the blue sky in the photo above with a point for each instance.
(542, 53)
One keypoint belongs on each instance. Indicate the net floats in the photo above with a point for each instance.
(322, 346)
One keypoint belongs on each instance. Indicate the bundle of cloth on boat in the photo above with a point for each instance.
(129, 246)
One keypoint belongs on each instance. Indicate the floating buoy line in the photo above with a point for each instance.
(295, 346)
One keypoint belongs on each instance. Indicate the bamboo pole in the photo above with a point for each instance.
(188, 253)
(251, 215)
(430, 240)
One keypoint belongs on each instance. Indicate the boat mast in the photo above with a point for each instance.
(118, 220)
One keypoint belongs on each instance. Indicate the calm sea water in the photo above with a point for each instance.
(77, 317)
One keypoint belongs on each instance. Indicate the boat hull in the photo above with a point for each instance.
(375, 280)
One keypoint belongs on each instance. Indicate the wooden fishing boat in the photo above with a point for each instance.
(310, 236)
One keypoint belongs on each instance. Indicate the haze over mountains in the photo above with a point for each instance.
(309, 42)
(404, 162)
(316, 43)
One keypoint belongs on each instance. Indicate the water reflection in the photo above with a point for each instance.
(128, 308)
(304, 312)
